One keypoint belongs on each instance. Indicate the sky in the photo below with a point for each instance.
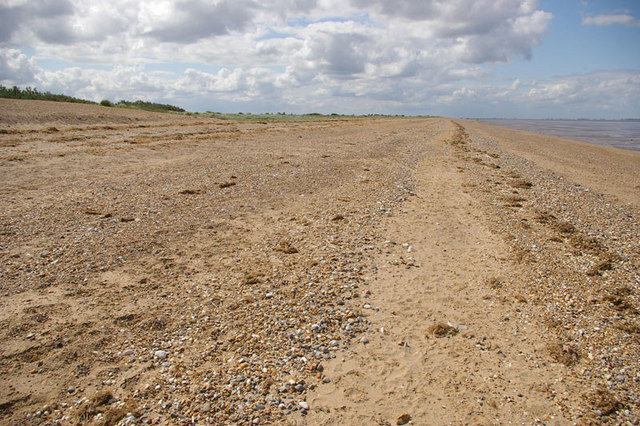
(456, 58)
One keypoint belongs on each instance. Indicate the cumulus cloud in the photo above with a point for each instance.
(16, 68)
(44, 15)
(605, 91)
(612, 19)
(363, 55)
(189, 21)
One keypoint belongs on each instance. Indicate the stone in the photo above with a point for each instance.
(403, 419)
(304, 405)
(161, 354)
(364, 340)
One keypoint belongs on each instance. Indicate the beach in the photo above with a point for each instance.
(616, 133)
(167, 269)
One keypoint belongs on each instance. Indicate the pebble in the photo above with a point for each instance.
(598, 229)
(403, 419)
(216, 314)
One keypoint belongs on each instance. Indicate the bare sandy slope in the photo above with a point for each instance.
(173, 269)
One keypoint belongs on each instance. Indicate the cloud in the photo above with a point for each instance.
(190, 21)
(421, 56)
(603, 91)
(16, 68)
(45, 15)
(462, 90)
(613, 19)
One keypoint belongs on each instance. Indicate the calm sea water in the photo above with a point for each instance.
(621, 134)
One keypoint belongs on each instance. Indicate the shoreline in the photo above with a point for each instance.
(596, 132)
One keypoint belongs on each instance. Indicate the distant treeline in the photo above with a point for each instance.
(32, 93)
(147, 106)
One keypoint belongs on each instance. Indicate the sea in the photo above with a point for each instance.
(617, 133)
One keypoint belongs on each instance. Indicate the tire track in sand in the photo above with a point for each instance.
(436, 268)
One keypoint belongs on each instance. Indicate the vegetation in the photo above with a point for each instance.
(149, 106)
(32, 93)
(281, 116)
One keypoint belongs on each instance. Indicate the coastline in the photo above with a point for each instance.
(612, 171)
(623, 134)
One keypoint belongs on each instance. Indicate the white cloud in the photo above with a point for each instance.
(16, 68)
(613, 19)
(302, 55)
(602, 91)
(189, 21)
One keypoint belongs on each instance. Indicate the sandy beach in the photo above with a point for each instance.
(168, 269)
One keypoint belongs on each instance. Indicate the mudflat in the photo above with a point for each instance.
(170, 269)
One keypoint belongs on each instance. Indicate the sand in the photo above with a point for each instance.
(171, 269)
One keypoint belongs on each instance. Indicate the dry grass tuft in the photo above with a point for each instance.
(441, 329)
(103, 403)
(253, 278)
(564, 353)
(632, 328)
(494, 283)
(286, 247)
(563, 227)
(102, 398)
(587, 244)
(191, 191)
(604, 401)
(600, 267)
(513, 200)
(619, 302)
(521, 183)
